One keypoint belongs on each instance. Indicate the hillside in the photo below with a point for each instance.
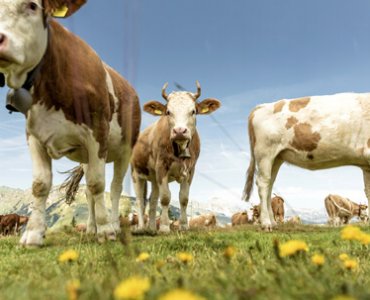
(59, 213)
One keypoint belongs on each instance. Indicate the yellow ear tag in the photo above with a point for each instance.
(158, 112)
(60, 12)
(205, 110)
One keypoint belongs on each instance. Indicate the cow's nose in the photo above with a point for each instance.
(2, 39)
(180, 130)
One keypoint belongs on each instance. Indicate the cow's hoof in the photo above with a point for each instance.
(267, 227)
(32, 238)
(91, 229)
(184, 227)
(164, 228)
(106, 232)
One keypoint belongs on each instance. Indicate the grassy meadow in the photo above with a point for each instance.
(251, 267)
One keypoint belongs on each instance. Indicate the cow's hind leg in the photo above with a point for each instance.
(265, 179)
(366, 174)
(119, 171)
(95, 181)
(41, 168)
(153, 204)
(165, 196)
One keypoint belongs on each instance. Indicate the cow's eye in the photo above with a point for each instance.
(32, 6)
(193, 112)
(168, 112)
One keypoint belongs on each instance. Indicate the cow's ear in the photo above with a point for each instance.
(208, 106)
(2, 80)
(155, 108)
(62, 8)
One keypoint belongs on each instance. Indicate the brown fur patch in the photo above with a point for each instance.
(252, 134)
(304, 139)
(73, 79)
(278, 106)
(298, 104)
(291, 122)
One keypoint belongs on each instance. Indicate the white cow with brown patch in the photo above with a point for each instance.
(78, 107)
(168, 151)
(203, 221)
(314, 133)
(341, 210)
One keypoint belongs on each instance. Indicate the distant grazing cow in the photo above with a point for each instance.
(277, 204)
(314, 133)
(295, 220)
(239, 218)
(168, 151)
(75, 106)
(9, 224)
(132, 220)
(340, 210)
(256, 213)
(81, 227)
(203, 221)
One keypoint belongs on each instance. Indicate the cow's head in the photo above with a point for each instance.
(180, 111)
(24, 35)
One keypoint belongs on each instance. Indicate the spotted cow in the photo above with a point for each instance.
(75, 106)
(314, 133)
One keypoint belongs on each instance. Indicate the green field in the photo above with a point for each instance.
(255, 271)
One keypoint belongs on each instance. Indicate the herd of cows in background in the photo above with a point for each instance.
(78, 107)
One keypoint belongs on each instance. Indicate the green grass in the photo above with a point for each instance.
(254, 272)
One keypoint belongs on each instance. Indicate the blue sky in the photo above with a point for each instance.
(243, 53)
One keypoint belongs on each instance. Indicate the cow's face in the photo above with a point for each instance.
(363, 213)
(24, 35)
(180, 112)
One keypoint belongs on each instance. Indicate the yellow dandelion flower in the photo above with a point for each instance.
(364, 238)
(343, 297)
(184, 257)
(180, 294)
(350, 264)
(350, 233)
(68, 256)
(229, 252)
(144, 256)
(133, 288)
(73, 289)
(292, 247)
(343, 256)
(318, 259)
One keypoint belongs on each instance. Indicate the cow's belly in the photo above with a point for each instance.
(62, 137)
(317, 160)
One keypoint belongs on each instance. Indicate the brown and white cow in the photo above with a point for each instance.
(341, 210)
(79, 108)
(9, 224)
(277, 205)
(294, 220)
(314, 133)
(239, 218)
(167, 151)
(203, 221)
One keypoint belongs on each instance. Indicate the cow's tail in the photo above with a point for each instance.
(71, 184)
(248, 187)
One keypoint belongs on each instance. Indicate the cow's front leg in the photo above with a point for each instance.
(139, 186)
(41, 184)
(366, 174)
(184, 199)
(165, 196)
(95, 181)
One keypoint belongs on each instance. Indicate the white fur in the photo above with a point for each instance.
(26, 39)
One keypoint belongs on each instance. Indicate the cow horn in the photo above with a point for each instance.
(164, 95)
(197, 94)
